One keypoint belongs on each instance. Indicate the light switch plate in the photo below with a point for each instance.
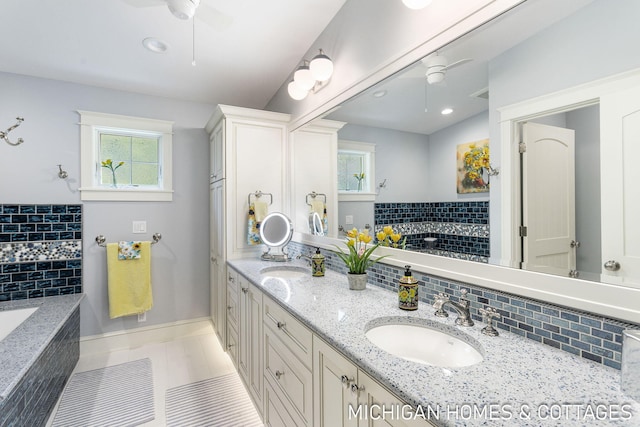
(139, 227)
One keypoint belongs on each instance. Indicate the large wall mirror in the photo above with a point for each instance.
(455, 183)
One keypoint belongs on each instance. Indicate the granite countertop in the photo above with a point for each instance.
(20, 349)
(519, 382)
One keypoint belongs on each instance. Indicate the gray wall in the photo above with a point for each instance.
(28, 174)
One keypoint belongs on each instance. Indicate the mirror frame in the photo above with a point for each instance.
(614, 301)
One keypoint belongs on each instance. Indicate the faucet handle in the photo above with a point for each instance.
(488, 315)
(440, 300)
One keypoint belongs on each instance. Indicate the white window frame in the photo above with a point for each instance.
(369, 150)
(91, 125)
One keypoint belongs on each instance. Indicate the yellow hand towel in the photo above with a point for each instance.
(317, 206)
(261, 210)
(129, 282)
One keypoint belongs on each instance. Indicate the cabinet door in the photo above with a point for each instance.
(216, 163)
(379, 407)
(244, 318)
(256, 352)
(333, 375)
(250, 339)
(217, 259)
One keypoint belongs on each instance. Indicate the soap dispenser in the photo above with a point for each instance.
(317, 264)
(408, 291)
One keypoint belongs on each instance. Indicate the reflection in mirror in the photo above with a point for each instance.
(426, 118)
(276, 231)
(315, 224)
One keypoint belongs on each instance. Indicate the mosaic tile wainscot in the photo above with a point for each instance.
(584, 334)
(40, 250)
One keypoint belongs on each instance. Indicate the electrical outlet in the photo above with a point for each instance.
(139, 227)
(348, 219)
(142, 317)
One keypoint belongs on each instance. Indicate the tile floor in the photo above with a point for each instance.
(174, 363)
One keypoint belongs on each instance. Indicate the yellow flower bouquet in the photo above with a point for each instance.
(388, 237)
(358, 259)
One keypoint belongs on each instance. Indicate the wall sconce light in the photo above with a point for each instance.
(310, 76)
(416, 4)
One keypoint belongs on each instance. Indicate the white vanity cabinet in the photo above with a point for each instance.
(242, 142)
(346, 396)
(250, 340)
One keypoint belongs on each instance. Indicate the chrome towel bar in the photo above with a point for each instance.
(101, 240)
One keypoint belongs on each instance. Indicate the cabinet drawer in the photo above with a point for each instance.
(232, 279)
(290, 331)
(289, 378)
(275, 412)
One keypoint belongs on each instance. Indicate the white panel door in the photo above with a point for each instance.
(620, 181)
(548, 199)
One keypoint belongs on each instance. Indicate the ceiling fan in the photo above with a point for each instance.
(186, 9)
(437, 66)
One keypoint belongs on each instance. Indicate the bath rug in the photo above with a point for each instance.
(221, 402)
(115, 396)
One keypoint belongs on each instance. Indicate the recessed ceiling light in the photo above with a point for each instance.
(379, 93)
(446, 111)
(155, 45)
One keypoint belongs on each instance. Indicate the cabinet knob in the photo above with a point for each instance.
(355, 389)
(612, 265)
(245, 290)
(279, 374)
(345, 381)
(229, 307)
(229, 346)
(281, 325)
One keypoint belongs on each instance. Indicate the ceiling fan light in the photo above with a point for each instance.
(296, 92)
(183, 9)
(321, 67)
(416, 4)
(435, 77)
(303, 77)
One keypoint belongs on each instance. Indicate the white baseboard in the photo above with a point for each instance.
(133, 338)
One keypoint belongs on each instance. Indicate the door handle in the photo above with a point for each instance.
(612, 265)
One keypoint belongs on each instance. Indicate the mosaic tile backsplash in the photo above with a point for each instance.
(586, 335)
(40, 251)
(462, 228)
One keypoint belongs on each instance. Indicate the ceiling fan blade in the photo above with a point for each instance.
(213, 17)
(457, 63)
(145, 3)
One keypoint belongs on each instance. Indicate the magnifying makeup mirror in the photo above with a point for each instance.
(276, 231)
(315, 224)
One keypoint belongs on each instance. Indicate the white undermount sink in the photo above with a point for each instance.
(425, 342)
(285, 272)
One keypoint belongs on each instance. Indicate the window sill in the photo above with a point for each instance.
(355, 196)
(125, 195)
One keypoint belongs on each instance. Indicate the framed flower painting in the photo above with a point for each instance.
(473, 167)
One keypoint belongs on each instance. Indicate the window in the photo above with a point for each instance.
(356, 171)
(125, 158)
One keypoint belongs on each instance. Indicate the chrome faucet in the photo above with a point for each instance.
(308, 257)
(462, 308)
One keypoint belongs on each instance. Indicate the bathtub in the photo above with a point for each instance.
(38, 351)
(11, 319)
